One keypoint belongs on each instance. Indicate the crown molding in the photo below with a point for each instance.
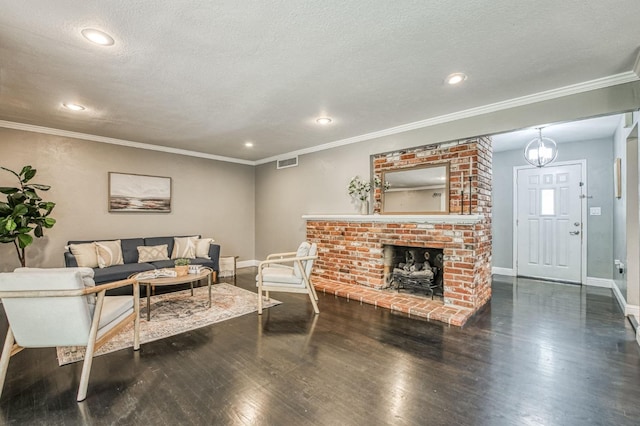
(121, 142)
(601, 83)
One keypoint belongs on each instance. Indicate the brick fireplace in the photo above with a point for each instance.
(351, 247)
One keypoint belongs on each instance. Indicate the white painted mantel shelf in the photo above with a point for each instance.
(461, 219)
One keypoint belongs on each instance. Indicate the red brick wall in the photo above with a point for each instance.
(350, 252)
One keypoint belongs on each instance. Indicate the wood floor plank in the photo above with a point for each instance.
(538, 354)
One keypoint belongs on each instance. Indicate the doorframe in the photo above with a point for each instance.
(583, 212)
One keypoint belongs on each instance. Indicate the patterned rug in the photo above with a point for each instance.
(174, 313)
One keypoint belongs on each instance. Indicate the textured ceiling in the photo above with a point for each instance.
(208, 76)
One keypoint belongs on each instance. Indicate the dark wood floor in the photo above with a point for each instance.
(539, 354)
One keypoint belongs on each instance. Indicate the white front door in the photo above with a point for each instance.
(549, 222)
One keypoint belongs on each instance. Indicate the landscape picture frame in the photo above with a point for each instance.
(137, 193)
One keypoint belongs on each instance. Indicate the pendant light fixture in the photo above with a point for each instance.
(540, 151)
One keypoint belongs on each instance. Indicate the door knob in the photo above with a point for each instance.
(574, 232)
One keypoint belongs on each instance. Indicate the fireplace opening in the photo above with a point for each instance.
(417, 269)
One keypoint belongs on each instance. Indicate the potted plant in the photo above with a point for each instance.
(360, 189)
(24, 212)
(182, 266)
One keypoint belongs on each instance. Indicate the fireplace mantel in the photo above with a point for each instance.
(458, 219)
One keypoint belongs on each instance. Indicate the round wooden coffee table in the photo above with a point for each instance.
(164, 281)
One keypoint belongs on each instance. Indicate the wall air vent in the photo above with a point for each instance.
(287, 162)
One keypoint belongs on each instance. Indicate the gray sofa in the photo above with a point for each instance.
(131, 265)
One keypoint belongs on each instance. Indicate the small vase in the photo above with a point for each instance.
(364, 207)
(181, 271)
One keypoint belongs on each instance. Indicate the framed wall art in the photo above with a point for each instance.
(139, 193)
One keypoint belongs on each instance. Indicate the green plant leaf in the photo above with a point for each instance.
(10, 225)
(38, 231)
(8, 190)
(24, 240)
(49, 222)
(20, 210)
(40, 187)
(28, 174)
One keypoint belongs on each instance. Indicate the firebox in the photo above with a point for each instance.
(417, 269)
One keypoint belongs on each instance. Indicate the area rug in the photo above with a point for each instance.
(174, 313)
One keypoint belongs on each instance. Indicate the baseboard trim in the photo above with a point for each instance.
(600, 282)
(247, 263)
(503, 271)
(632, 310)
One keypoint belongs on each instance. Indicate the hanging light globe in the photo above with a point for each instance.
(540, 151)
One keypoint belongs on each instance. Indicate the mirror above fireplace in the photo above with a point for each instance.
(416, 190)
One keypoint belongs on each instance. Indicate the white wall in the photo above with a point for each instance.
(210, 198)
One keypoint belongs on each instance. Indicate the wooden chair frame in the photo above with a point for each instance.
(283, 258)
(11, 348)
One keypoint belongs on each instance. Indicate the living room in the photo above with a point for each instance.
(245, 203)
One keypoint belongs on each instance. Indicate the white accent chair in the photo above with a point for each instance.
(275, 275)
(63, 307)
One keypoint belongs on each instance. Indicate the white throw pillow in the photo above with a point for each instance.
(184, 247)
(109, 253)
(85, 254)
(153, 253)
(202, 247)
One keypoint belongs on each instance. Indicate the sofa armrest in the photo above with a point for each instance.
(70, 260)
(214, 254)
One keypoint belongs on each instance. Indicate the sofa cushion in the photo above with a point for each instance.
(159, 264)
(130, 249)
(109, 253)
(120, 272)
(152, 253)
(85, 254)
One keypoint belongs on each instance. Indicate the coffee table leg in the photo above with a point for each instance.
(148, 302)
(209, 283)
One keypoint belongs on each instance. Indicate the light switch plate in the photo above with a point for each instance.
(595, 211)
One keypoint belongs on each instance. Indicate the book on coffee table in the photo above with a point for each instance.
(157, 273)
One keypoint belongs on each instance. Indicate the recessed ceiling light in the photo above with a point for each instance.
(73, 107)
(248, 144)
(456, 78)
(323, 121)
(98, 37)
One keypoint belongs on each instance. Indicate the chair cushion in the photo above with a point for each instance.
(303, 250)
(114, 309)
(280, 276)
(85, 254)
(152, 253)
(86, 275)
(109, 253)
(50, 321)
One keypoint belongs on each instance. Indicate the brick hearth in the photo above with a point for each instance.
(350, 247)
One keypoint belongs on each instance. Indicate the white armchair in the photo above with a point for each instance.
(63, 307)
(274, 274)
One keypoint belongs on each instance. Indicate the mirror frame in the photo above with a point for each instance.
(445, 190)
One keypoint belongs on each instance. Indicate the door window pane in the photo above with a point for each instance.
(547, 202)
